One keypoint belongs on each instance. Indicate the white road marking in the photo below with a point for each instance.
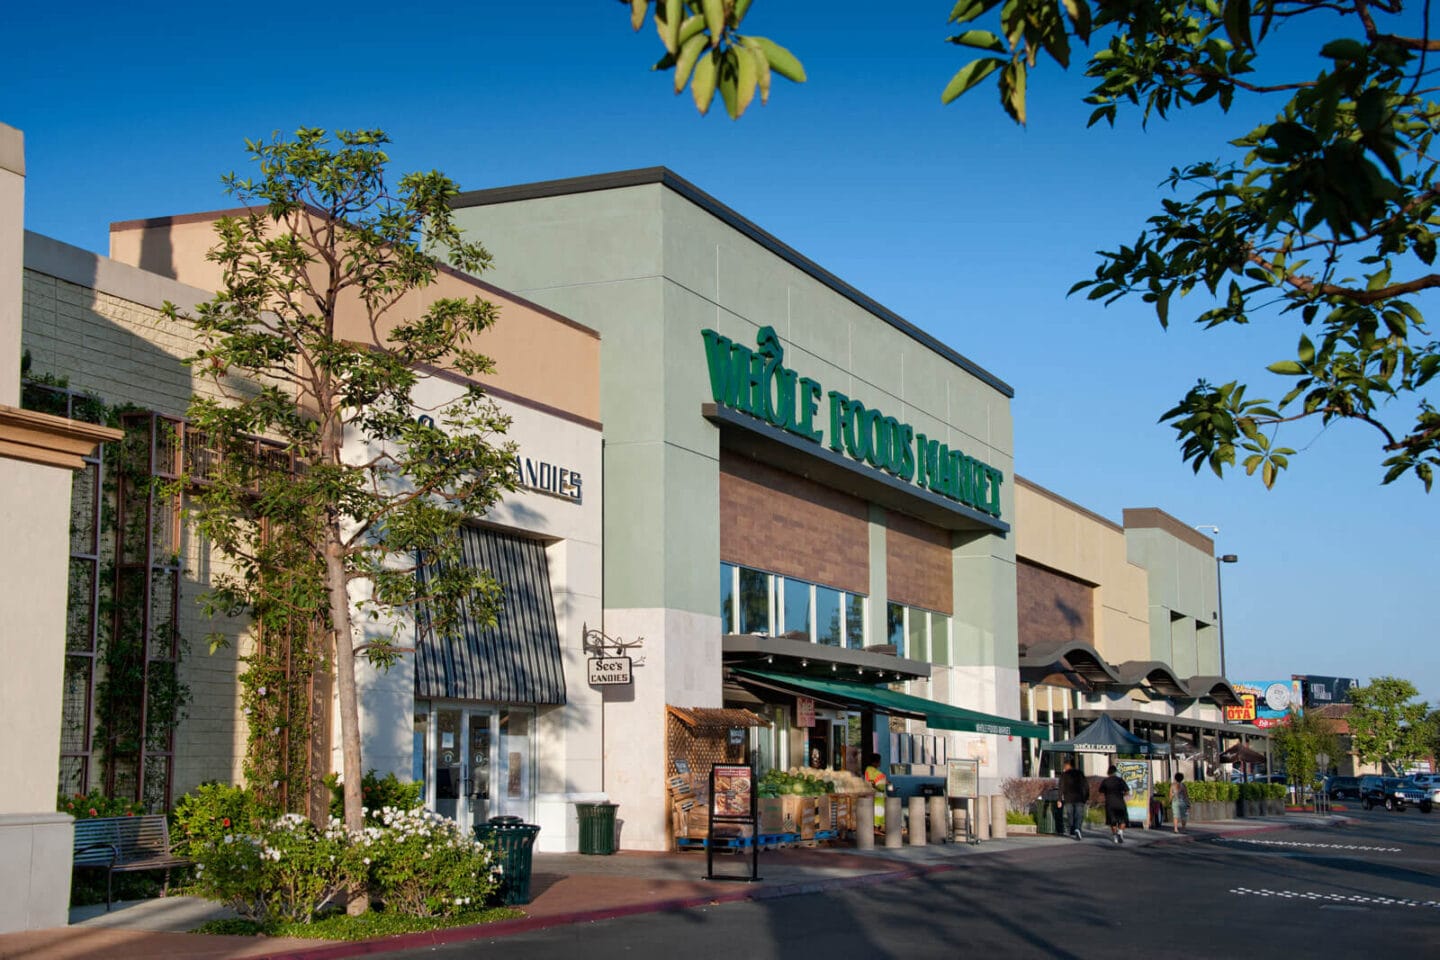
(1335, 897)
(1308, 846)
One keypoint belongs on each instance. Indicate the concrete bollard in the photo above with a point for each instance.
(865, 823)
(981, 807)
(998, 825)
(939, 821)
(917, 821)
(894, 822)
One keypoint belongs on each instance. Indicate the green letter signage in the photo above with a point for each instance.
(756, 382)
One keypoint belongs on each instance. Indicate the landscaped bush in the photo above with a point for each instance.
(85, 806)
(1017, 819)
(376, 793)
(1022, 792)
(425, 865)
(277, 870)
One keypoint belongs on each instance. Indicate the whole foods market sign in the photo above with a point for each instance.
(757, 382)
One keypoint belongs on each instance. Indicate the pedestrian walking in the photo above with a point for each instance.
(1074, 797)
(1114, 790)
(1179, 804)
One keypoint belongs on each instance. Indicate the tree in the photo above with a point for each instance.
(1328, 212)
(1386, 725)
(311, 347)
(1301, 742)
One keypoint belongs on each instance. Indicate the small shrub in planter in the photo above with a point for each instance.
(1022, 792)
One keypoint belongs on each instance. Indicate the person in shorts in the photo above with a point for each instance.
(1117, 818)
(1179, 804)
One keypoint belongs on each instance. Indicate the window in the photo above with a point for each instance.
(895, 627)
(796, 611)
(854, 621)
(754, 601)
(940, 639)
(828, 628)
(918, 634)
(727, 598)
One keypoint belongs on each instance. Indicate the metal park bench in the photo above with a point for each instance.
(125, 845)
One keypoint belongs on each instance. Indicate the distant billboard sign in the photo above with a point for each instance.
(1323, 691)
(1267, 703)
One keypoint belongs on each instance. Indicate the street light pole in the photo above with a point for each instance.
(1220, 606)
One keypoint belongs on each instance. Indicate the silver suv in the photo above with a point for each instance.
(1392, 793)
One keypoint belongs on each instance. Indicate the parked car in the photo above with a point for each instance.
(1341, 788)
(1392, 793)
(1430, 789)
(1426, 779)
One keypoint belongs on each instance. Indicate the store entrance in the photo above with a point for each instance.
(479, 761)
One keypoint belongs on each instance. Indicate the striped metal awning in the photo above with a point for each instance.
(518, 659)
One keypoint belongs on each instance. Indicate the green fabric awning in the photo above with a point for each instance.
(941, 716)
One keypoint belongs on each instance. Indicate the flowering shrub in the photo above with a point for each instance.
(425, 865)
(83, 806)
(273, 869)
(284, 870)
(376, 793)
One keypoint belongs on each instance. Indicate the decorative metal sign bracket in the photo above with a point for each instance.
(598, 644)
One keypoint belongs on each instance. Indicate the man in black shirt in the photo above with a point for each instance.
(1074, 795)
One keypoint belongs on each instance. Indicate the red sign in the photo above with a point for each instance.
(804, 712)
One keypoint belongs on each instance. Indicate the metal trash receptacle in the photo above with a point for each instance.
(1045, 816)
(597, 827)
(513, 842)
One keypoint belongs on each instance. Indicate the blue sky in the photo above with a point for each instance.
(965, 224)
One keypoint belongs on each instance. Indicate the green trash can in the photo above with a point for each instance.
(597, 827)
(513, 842)
(1045, 816)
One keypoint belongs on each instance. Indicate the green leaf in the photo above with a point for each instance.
(702, 84)
(782, 61)
(1237, 26)
(980, 39)
(1288, 368)
(968, 76)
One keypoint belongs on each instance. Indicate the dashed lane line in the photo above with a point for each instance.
(1309, 846)
(1326, 898)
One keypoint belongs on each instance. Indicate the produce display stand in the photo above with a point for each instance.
(696, 739)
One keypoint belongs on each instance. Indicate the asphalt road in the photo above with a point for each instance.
(1329, 892)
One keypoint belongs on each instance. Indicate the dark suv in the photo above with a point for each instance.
(1392, 793)
(1342, 788)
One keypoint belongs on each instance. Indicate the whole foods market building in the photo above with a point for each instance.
(801, 489)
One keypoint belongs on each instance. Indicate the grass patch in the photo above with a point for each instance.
(367, 926)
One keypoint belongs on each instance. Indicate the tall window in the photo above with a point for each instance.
(727, 598)
(754, 601)
(918, 634)
(796, 610)
(829, 626)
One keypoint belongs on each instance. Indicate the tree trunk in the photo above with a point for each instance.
(351, 771)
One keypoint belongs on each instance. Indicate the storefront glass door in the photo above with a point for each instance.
(482, 762)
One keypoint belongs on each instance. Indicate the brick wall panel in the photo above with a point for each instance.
(918, 562)
(1053, 606)
(777, 521)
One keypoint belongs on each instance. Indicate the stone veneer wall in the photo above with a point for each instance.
(125, 352)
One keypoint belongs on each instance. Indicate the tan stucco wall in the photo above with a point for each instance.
(1060, 535)
(35, 512)
(528, 343)
(12, 218)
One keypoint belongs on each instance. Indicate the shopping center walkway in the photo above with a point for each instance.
(567, 888)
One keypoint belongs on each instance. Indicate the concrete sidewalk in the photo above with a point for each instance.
(571, 888)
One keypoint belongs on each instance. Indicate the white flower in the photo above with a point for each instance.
(262, 691)
(229, 838)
